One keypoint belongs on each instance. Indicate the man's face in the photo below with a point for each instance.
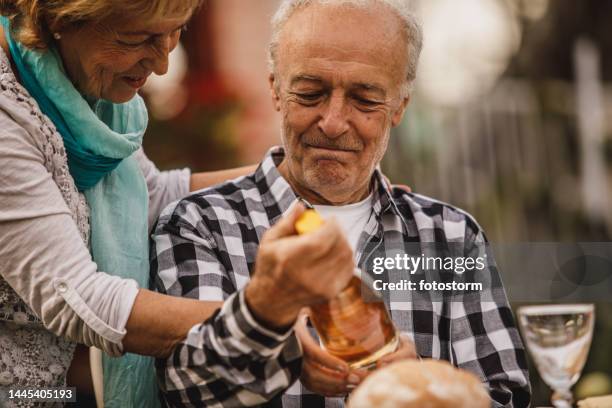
(338, 82)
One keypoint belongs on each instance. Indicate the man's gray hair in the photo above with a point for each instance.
(412, 27)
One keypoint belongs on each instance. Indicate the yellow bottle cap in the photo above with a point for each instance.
(309, 221)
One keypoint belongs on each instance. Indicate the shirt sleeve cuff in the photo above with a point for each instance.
(128, 296)
(245, 329)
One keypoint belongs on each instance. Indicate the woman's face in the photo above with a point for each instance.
(112, 59)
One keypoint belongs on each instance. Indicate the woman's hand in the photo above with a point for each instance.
(404, 187)
(323, 373)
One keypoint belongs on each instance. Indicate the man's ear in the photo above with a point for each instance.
(274, 92)
(396, 119)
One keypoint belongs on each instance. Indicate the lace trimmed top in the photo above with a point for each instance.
(29, 354)
(51, 295)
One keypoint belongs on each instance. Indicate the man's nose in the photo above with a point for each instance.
(334, 121)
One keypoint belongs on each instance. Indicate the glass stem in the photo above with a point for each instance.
(562, 398)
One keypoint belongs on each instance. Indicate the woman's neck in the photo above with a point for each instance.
(3, 43)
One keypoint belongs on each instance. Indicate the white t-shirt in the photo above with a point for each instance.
(352, 218)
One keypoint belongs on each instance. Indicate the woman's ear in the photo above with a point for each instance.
(53, 26)
(272, 82)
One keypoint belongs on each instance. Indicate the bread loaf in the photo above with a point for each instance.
(420, 384)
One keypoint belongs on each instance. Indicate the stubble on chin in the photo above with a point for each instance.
(325, 177)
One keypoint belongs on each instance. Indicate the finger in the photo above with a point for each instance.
(322, 373)
(356, 376)
(305, 248)
(331, 245)
(314, 353)
(406, 350)
(323, 285)
(330, 231)
(286, 225)
(304, 314)
(342, 263)
(407, 345)
(322, 242)
(301, 328)
(313, 252)
(403, 187)
(321, 381)
(328, 384)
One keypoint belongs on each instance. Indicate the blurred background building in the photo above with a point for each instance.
(510, 119)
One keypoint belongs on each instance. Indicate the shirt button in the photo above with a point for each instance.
(62, 287)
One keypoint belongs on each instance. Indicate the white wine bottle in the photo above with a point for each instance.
(350, 328)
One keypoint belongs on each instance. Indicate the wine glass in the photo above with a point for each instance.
(558, 338)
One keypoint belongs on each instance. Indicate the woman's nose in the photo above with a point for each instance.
(158, 61)
(160, 66)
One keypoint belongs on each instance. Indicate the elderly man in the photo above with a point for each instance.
(341, 76)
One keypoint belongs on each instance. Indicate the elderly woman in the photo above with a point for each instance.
(77, 192)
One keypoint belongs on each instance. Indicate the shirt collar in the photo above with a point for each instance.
(278, 196)
(383, 199)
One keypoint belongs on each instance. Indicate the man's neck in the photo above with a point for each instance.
(317, 198)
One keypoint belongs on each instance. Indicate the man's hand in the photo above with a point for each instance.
(327, 375)
(294, 271)
(405, 350)
(323, 373)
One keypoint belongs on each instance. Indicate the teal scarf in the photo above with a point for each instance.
(100, 138)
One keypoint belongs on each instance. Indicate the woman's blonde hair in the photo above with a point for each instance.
(30, 18)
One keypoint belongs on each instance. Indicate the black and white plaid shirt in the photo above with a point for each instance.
(204, 247)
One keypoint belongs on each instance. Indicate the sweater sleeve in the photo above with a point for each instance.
(164, 186)
(42, 255)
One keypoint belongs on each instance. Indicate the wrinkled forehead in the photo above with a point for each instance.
(154, 9)
(171, 17)
(159, 25)
(344, 36)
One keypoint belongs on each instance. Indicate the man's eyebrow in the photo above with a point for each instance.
(305, 78)
(371, 88)
(364, 86)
